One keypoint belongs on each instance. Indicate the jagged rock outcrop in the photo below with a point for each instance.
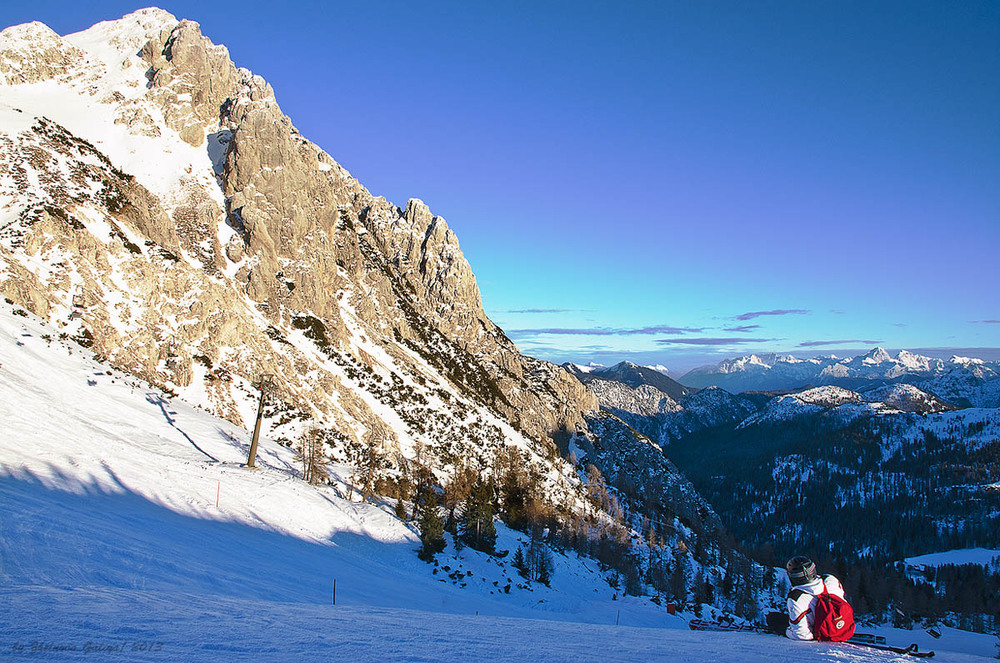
(165, 211)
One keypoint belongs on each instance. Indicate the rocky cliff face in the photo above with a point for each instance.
(159, 206)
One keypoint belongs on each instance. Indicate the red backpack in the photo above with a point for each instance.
(834, 621)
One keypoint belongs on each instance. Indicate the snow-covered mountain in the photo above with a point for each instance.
(663, 419)
(707, 408)
(907, 398)
(631, 375)
(888, 400)
(960, 380)
(158, 208)
(156, 205)
(639, 396)
(645, 399)
(658, 406)
(754, 372)
(156, 202)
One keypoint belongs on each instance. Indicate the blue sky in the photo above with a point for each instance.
(667, 182)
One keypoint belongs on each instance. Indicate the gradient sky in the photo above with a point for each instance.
(667, 182)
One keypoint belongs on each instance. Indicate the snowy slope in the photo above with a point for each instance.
(92, 439)
(979, 556)
(888, 400)
(112, 535)
(907, 398)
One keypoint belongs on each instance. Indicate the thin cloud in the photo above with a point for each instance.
(663, 330)
(989, 322)
(741, 328)
(899, 324)
(713, 341)
(542, 310)
(553, 331)
(778, 311)
(814, 344)
(602, 331)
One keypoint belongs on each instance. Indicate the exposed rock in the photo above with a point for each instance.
(313, 252)
(32, 52)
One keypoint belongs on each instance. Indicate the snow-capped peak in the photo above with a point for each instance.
(828, 396)
(17, 36)
(878, 355)
(126, 34)
(966, 361)
(913, 361)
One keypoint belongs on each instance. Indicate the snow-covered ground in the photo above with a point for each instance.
(980, 556)
(129, 531)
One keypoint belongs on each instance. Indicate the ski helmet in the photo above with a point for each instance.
(801, 570)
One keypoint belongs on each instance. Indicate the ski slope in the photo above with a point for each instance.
(129, 531)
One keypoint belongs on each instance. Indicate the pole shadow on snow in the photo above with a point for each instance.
(158, 400)
(265, 456)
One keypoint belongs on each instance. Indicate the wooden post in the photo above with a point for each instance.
(265, 383)
(335, 591)
(218, 491)
(619, 617)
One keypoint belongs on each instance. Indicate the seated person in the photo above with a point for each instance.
(806, 587)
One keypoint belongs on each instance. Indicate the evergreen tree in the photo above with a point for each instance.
(537, 562)
(424, 481)
(519, 563)
(477, 527)
(544, 567)
(678, 579)
(431, 525)
(633, 575)
(703, 591)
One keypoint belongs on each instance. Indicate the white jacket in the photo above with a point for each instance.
(801, 604)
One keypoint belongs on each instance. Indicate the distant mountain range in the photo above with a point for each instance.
(638, 395)
(911, 450)
(962, 381)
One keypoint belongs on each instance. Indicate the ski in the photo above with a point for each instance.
(860, 639)
(912, 650)
(870, 638)
(703, 625)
